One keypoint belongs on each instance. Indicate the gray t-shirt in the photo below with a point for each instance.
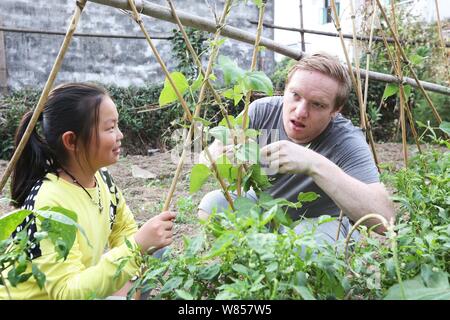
(341, 142)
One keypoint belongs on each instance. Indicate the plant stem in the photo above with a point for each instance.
(44, 95)
(369, 55)
(441, 40)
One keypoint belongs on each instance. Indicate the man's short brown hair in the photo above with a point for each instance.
(330, 66)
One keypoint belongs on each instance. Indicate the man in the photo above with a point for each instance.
(318, 150)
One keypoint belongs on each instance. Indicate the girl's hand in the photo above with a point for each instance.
(156, 232)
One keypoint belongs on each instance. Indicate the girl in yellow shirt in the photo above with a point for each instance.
(64, 166)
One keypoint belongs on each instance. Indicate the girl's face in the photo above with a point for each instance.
(106, 150)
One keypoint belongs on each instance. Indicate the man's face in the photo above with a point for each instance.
(308, 105)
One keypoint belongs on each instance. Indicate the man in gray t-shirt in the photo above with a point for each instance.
(311, 147)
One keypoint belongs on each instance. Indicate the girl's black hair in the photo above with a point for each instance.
(69, 107)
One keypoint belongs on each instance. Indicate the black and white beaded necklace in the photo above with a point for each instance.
(99, 203)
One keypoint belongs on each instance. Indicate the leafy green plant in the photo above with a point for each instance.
(57, 224)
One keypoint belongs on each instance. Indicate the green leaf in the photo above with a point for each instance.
(304, 292)
(231, 71)
(184, 294)
(239, 268)
(444, 126)
(172, 284)
(248, 152)
(10, 221)
(415, 289)
(209, 272)
(220, 245)
(307, 196)
(61, 226)
(390, 90)
(258, 81)
(231, 119)
(222, 134)
(206, 123)
(197, 83)
(252, 133)
(199, 175)
(258, 3)
(416, 59)
(168, 94)
(243, 204)
(224, 167)
(407, 89)
(38, 275)
(194, 245)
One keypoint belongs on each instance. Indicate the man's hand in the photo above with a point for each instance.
(287, 157)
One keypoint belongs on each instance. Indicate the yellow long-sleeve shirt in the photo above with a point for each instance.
(88, 270)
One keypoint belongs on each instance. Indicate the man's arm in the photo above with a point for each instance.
(354, 197)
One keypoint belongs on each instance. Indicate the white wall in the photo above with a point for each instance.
(287, 14)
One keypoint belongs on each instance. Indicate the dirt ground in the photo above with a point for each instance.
(145, 197)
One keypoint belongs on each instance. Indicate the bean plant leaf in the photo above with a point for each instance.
(184, 294)
(390, 90)
(197, 83)
(10, 221)
(168, 94)
(415, 289)
(444, 126)
(199, 175)
(222, 134)
(209, 272)
(258, 81)
(231, 71)
(38, 275)
(307, 196)
(61, 226)
(407, 89)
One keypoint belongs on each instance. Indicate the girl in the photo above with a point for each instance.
(64, 167)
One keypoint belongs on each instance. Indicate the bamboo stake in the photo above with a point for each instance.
(44, 95)
(445, 52)
(408, 112)
(369, 55)
(356, 60)
(248, 95)
(164, 13)
(402, 91)
(197, 112)
(408, 63)
(199, 64)
(352, 76)
(139, 21)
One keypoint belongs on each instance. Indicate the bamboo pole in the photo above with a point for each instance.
(139, 21)
(199, 64)
(368, 57)
(355, 84)
(333, 34)
(402, 101)
(44, 95)
(408, 63)
(197, 112)
(445, 52)
(408, 112)
(358, 74)
(164, 13)
(248, 95)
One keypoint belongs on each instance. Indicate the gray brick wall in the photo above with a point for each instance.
(124, 62)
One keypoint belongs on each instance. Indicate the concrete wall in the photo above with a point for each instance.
(124, 62)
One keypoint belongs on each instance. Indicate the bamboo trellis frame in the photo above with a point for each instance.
(164, 13)
(189, 20)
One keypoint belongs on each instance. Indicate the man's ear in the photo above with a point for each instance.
(335, 112)
(69, 140)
